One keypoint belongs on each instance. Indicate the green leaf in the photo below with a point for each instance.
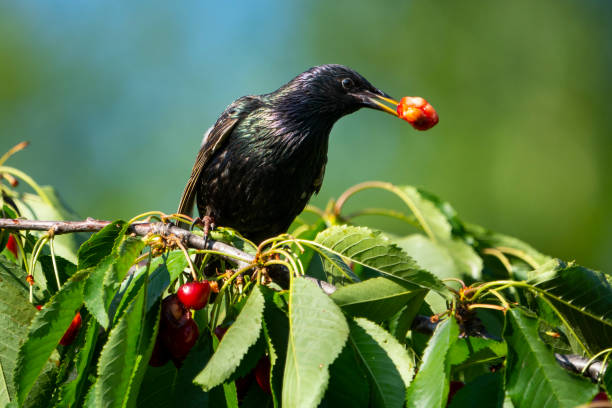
(121, 356)
(72, 391)
(317, 333)
(309, 233)
(441, 259)
(389, 365)
(430, 386)
(348, 383)
(376, 299)
(14, 275)
(533, 377)
(469, 350)
(45, 332)
(607, 380)
(276, 331)
(100, 244)
(401, 323)
(65, 270)
(438, 220)
(485, 391)
(240, 336)
(106, 277)
(166, 269)
(15, 316)
(157, 388)
(584, 297)
(490, 239)
(33, 207)
(370, 248)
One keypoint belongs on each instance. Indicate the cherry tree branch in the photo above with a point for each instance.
(190, 239)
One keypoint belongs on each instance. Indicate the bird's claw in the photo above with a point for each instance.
(207, 223)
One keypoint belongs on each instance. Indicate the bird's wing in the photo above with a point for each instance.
(213, 140)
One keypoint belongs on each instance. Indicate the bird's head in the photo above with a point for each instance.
(336, 90)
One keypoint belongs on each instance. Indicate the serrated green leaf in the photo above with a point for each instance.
(100, 245)
(317, 334)
(121, 356)
(45, 332)
(376, 299)
(430, 385)
(240, 336)
(584, 297)
(15, 316)
(533, 377)
(386, 361)
(106, 277)
(72, 391)
(370, 248)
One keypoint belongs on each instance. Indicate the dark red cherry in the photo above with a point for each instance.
(262, 374)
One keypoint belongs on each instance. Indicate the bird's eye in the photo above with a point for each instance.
(347, 83)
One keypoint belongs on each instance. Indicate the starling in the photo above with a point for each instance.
(265, 156)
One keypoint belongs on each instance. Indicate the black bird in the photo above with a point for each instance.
(265, 156)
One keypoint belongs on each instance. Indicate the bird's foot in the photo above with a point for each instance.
(207, 223)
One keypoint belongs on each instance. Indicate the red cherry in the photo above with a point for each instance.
(601, 396)
(418, 112)
(179, 341)
(72, 331)
(173, 314)
(39, 307)
(242, 386)
(454, 387)
(262, 374)
(11, 245)
(220, 332)
(194, 295)
(160, 356)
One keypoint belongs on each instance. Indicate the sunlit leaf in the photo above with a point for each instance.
(430, 386)
(389, 365)
(533, 377)
(371, 249)
(317, 334)
(240, 336)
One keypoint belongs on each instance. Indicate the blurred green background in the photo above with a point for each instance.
(115, 96)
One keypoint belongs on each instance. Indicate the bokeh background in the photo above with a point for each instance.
(114, 97)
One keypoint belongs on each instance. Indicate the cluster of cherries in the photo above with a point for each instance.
(178, 332)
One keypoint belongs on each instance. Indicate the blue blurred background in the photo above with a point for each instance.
(115, 96)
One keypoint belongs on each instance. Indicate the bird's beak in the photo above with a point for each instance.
(378, 100)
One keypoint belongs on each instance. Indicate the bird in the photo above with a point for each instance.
(265, 156)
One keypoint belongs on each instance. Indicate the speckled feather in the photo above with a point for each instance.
(265, 156)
